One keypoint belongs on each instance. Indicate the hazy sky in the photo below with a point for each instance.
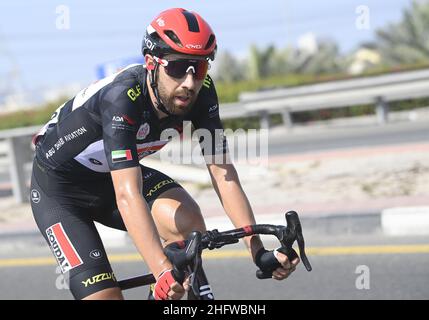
(100, 31)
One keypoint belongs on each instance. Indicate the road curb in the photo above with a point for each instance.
(397, 221)
(405, 221)
(333, 224)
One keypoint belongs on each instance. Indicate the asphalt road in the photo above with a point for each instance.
(344, 267)
(348, 137)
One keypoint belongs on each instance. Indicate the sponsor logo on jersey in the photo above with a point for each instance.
(214, 111)
(147, 175)
(96, 254)
(75, 134)
(123, 122)
(207, 81)
(95, 161)
(213, 108)
(98, 278)
(121, 155)
(63, 140)
(124, 119)
(62, 248)
(35, 196)
(134, 93)
(159, 186)
(143, 131)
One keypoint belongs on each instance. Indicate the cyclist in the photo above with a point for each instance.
(87, 169)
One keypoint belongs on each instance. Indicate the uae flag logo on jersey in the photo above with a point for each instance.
(121, 155)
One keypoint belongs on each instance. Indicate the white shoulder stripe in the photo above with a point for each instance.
(93, 88)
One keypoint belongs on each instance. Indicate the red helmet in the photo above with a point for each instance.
(179, 31)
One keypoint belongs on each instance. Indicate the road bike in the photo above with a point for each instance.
(186, 255)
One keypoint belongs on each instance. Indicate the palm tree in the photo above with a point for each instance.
(325, 60)
(260, 62)
(406, 42)
(229, 68)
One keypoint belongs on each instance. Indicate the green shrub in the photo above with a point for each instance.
(26, 118)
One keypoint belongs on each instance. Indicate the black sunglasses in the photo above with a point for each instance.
(180, 67)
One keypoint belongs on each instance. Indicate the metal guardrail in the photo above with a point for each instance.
(17, 143)
(377, 90)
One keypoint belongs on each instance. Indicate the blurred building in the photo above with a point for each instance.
(363, 59)
(307, 43)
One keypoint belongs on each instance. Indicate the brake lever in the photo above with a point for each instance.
(196, 264)
(182, 257)
(292, 232)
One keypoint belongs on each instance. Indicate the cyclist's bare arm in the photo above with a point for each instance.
(234, 200)
(228, 187)
(137, 218)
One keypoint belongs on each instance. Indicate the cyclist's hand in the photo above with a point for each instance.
(167, 288)
(276, 263)
(287, 267)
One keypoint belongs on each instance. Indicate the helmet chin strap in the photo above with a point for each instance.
(154, 86)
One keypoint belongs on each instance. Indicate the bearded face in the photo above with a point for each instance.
(178, 95)
(178, 100)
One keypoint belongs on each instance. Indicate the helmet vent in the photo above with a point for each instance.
(173, 37)
(192, 21)
(210, 42)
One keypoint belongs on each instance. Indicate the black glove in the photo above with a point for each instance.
(266, 260)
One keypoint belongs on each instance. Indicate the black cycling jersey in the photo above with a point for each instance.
(112, 125)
